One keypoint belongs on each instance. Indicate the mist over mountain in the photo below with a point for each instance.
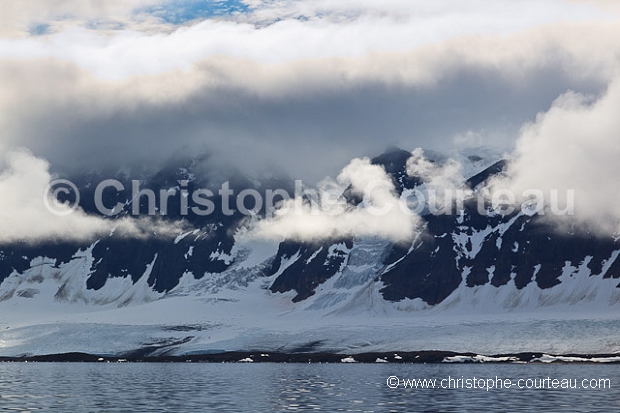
(448, 264)
(182, 177)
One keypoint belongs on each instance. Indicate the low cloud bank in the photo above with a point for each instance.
(574, 146)
(326, 213)
(30, 212)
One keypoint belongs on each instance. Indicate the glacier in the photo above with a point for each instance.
(465, 283)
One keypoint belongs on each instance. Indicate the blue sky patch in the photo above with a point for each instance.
(182, 11)
(39, 29)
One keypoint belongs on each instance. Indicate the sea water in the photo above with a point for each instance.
(342, 387)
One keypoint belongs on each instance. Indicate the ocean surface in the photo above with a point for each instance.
(202, 387)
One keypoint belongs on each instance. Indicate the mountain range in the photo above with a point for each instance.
(498, 279)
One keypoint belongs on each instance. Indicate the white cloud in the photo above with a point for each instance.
(380, 214)
(437, 175)
(608, 5)
(25, 213)
(574, 146)
(304, 95)
(393, 26)
(329, 109)
(19, 15)
(441, 179)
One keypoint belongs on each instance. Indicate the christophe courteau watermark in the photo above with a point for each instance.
(62, 197)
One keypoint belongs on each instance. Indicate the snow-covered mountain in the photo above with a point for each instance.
(467, 282)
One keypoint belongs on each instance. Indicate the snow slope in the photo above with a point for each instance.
(466, 283)
(51, 311)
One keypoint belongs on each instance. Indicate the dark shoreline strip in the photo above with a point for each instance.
(418, 357)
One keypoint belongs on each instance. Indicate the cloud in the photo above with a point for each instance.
(607, 5)
(26, 214)
(307, 117)
(428, 22)
(574, 146)
(395, 26)
(440, 180)
(301, 86)
(329, 215)
(19, 16)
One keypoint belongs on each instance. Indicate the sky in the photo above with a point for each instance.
(306, 86)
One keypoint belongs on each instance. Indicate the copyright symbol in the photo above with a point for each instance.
(69, 193)
(393, 382)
